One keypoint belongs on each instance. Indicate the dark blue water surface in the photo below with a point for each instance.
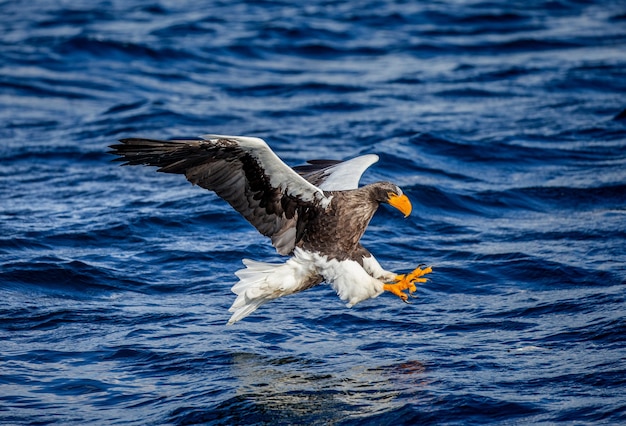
(504, 122)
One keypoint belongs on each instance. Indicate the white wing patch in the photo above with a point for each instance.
(347, 174)
(281, 175)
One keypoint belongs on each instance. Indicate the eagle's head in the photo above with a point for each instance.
(389, 193)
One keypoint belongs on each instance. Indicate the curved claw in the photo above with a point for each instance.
(396, 289)
(407, 282)
(399, 277)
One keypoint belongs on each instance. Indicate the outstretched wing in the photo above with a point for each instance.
(244, 171)
(333, 175)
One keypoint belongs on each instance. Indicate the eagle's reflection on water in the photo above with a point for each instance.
(302, 390)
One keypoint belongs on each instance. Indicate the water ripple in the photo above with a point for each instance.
(504, 124)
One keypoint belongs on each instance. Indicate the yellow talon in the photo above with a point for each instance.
(397, 290)
(407, 282)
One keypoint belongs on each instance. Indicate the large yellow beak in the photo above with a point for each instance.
(401, 202)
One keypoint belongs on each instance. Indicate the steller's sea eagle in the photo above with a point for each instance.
(316, 213)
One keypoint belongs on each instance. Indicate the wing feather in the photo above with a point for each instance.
(244, 171)
(333, 175)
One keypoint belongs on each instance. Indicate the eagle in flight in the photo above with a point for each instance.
(316, 213)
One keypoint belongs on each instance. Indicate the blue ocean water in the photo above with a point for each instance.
(503, 121)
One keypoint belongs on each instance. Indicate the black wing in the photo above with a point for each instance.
(243, 171)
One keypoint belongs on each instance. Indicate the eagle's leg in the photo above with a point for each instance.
(407, 282)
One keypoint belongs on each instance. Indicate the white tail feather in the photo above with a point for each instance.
(260, 282)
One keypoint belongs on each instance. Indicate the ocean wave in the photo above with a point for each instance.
(503, 123)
